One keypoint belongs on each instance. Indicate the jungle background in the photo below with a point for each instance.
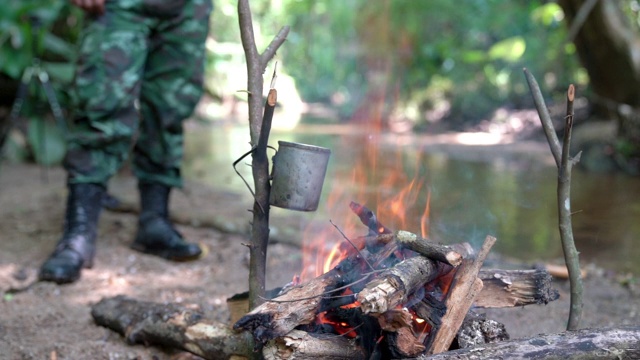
(434, 65)
(437, 80)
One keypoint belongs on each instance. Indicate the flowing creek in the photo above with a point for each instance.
(470, 192)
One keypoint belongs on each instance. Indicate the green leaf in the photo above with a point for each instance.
(46, 140)
(474, 56)
(510, 49)
(13, 62)
(547, 14)
(58, 46)
(60, 72)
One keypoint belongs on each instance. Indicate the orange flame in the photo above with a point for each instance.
(378, 179)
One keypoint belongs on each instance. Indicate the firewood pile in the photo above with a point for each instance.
(393, 295)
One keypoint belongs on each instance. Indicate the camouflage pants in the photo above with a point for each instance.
(139, 75)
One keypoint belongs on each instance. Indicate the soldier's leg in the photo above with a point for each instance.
(170, 91)
(108, 80)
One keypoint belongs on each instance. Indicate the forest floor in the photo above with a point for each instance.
(40, 320)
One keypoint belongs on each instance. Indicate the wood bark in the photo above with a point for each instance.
(428, 248)
(605, 344)
(607, 40)
(170, 325)
(256, 64)
(510, 288)
(175, 326)
(302, 345)
(465, 287)
(564, 164)
(393, 286)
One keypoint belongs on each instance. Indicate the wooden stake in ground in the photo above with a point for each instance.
(256, 65)
(564, 164)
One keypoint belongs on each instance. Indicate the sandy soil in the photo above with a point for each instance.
(46, 321)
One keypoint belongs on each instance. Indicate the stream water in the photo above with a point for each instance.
(470, 192)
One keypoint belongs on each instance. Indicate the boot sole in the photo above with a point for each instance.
(166, 254)
(58, 280)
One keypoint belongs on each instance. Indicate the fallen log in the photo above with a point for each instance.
(174, 326)
(606, 344)
(170, 325)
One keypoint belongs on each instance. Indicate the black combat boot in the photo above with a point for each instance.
(78, 244)
(156, 235)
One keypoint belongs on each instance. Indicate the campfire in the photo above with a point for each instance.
(386, 294)
(390, 294)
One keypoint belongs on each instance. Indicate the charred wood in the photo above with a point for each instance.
(509, 288)
(428, 248)
(170, 325)
(369, 219)
(478, 330)
(301, 303)
(465, 287)
(302, 345)
(607, 344)
(394, 285)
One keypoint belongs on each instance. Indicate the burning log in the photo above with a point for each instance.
(393, 286)
(465, 287)
(407, 240)
(368, 218)
(170, 325)
(427, 248)
(300, 304)
(301, 345)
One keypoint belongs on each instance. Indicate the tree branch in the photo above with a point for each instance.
(270, 51)
(256, 64)
(580, 18)
(564, 219)
(545, 118)
(564, 164)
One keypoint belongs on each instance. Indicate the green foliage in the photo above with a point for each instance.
(20, 41)
(480, 46)
(47, 30)
(47, 141)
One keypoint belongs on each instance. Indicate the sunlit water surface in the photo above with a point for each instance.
(512, 198)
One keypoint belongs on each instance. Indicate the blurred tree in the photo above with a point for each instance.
(608, 45)
(464, 59)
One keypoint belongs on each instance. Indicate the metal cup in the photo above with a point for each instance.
(298, 174)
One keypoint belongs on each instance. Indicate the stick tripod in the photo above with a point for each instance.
(34, 73)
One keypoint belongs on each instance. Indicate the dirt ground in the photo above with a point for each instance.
(45, 321)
